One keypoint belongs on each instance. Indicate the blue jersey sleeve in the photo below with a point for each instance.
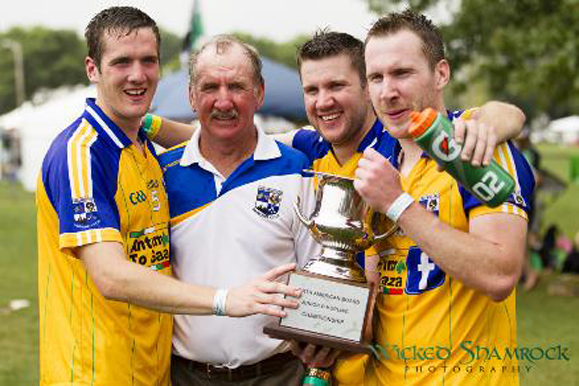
(311, 144)
(80, 179)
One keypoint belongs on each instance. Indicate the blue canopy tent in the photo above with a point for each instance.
(283, 94)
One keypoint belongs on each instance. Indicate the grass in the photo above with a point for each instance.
(544, 321)
(562, 209)
(19, 329)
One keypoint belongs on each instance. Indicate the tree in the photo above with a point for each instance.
(171, 46)
(280, 52)
(54, 58)
(525, 51)
(51, 58)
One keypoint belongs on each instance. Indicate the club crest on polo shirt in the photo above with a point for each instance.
(267, 202)
(430, 202)
(85, 210)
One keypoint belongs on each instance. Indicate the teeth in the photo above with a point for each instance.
(135, 92)
(330, 117)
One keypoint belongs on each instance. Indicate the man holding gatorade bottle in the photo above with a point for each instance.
(447, 282)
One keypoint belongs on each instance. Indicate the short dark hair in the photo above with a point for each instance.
(432, 41)
(326, 44)
(222, 44)
(120, 20)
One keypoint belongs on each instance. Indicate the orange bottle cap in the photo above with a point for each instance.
(421, 121)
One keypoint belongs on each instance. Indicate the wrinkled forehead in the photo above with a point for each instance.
(231, 62)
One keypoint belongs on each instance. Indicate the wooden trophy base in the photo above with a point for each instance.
(332, 313)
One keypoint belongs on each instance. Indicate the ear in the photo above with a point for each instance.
(92, 71)
(192, 99)
(260, 93)
(442, 74)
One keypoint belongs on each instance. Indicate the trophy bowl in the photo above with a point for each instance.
(344, 224)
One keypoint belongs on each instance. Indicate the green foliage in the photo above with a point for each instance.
(171, 46)
(52, 58)
(528, 50)
(525, 51)
(280, 52)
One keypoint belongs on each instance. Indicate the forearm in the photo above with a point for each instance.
(119, 279)
(172, 133)
(138, 285)
(507, 119)
(478, 263)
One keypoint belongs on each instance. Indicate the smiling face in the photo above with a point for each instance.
(225, 93)
(128, 75)
(336, 103)
(401, 79)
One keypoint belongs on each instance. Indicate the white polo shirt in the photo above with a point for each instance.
(227, 231)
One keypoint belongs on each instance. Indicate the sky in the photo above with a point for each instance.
(278, 20)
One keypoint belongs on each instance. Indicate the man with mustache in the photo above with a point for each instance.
(231, 190)
(453, 296)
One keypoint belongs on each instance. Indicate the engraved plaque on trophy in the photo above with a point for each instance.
(335, 303)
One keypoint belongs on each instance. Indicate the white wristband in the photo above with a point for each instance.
(402, 202)
(219, 301)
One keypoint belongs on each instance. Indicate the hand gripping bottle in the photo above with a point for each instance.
(317, 377)
(434, 134)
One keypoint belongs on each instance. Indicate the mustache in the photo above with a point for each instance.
(229, 114)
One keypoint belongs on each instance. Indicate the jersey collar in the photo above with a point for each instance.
(371, 136)
(104, 125)
(265, 149)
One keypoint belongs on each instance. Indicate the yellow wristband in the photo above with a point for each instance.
(152, 125)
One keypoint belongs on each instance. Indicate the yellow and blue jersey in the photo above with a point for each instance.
(432, 329)
(96, 186)
(319, 151)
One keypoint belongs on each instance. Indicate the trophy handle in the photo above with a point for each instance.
(384, 235)
(308, 223)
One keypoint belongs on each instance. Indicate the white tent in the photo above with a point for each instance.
(39, 125)
(564, 130)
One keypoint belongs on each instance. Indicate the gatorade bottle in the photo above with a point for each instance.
(434, 133)
(317, 377)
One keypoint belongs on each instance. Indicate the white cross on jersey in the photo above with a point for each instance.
(424, 268)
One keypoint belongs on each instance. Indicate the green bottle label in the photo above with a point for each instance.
(490, 184)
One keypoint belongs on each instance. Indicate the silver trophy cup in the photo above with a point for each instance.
(344, 225)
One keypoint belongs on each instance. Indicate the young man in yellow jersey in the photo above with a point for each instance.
(104, 266)
(446, 314)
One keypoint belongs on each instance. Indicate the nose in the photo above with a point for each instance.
(137, 73)
(325, 100)
(223, 100)
(388, 90)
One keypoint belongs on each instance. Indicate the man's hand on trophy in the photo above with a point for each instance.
(377, 181)
(263, 295)
(314, 356)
